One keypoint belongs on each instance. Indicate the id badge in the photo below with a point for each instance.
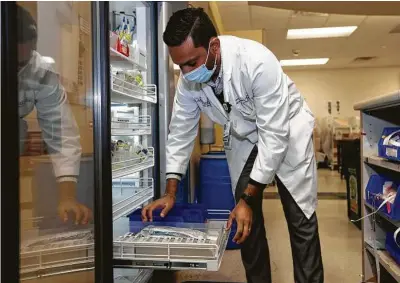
(227, 136)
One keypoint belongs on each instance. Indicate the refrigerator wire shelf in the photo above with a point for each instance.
(131, 163)
(120, 60)
(130, 194)
(126, 92)
(58, 253)
(140, 125)
(176, 253)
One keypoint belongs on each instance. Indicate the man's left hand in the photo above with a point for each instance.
(243, 215)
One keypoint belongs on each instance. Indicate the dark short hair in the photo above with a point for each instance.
(27, 28)
(193, 22)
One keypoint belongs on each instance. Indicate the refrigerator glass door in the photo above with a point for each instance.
(55, 95)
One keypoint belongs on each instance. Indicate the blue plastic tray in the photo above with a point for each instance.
(392, 247)
(375, 187)
(388, 151)
(180, 213)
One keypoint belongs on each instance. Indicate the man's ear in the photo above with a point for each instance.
(215, 45)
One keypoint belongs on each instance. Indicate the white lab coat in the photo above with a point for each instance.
(39, 87)
(267, 110)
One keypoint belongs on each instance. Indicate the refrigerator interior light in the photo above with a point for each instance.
(304, 62)
(324, 32)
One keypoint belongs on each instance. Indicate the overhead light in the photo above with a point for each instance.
(176, 67)
(320, 32)
(304, 62)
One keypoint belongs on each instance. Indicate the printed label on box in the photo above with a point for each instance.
(391, 152)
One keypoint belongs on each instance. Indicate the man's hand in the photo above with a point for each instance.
(244, 219)
(67, 203)
(167, 202)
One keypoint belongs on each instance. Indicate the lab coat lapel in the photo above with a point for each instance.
(228, 56)
(214, 100)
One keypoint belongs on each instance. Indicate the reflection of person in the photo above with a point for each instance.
(39, 88)
(267, 133)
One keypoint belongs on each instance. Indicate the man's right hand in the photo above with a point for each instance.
(167, 202)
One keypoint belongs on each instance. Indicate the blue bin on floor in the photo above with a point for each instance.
(389, 151)
(215, 188)
(375, 188)
(392, 248)
(182, 195)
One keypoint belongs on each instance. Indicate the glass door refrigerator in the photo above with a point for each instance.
(86, 96)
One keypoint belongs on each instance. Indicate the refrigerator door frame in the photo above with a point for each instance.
(10, 207)
(102, 145)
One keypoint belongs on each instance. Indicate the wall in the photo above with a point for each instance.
(347, 85)
(256, 35)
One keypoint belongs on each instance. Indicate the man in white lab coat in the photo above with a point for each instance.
(39, 87)
(268, 128)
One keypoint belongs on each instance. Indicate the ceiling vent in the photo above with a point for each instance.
(364, 59)
(396, 29)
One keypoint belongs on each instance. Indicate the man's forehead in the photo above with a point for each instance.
(185, 52)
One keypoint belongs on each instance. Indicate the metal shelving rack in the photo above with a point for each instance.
(376, 114)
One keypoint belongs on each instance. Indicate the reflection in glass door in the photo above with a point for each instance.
(55, 141)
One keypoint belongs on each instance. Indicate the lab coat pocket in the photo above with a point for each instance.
(246, 107)
(301, 129)
(242, 128)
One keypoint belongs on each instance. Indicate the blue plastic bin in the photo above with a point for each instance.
(216, 195)
(388, 151)
(215, 188)
(392, 247)
(182, 195)
(181, 212)
(374, 188)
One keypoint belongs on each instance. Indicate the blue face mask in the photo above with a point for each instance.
(201, 74)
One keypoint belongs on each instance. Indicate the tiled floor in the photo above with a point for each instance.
(340, 240)
(329, 181)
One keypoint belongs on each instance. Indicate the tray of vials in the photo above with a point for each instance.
(175, 246)
(138, 125)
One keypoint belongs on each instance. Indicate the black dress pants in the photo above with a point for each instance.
(304, 237)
